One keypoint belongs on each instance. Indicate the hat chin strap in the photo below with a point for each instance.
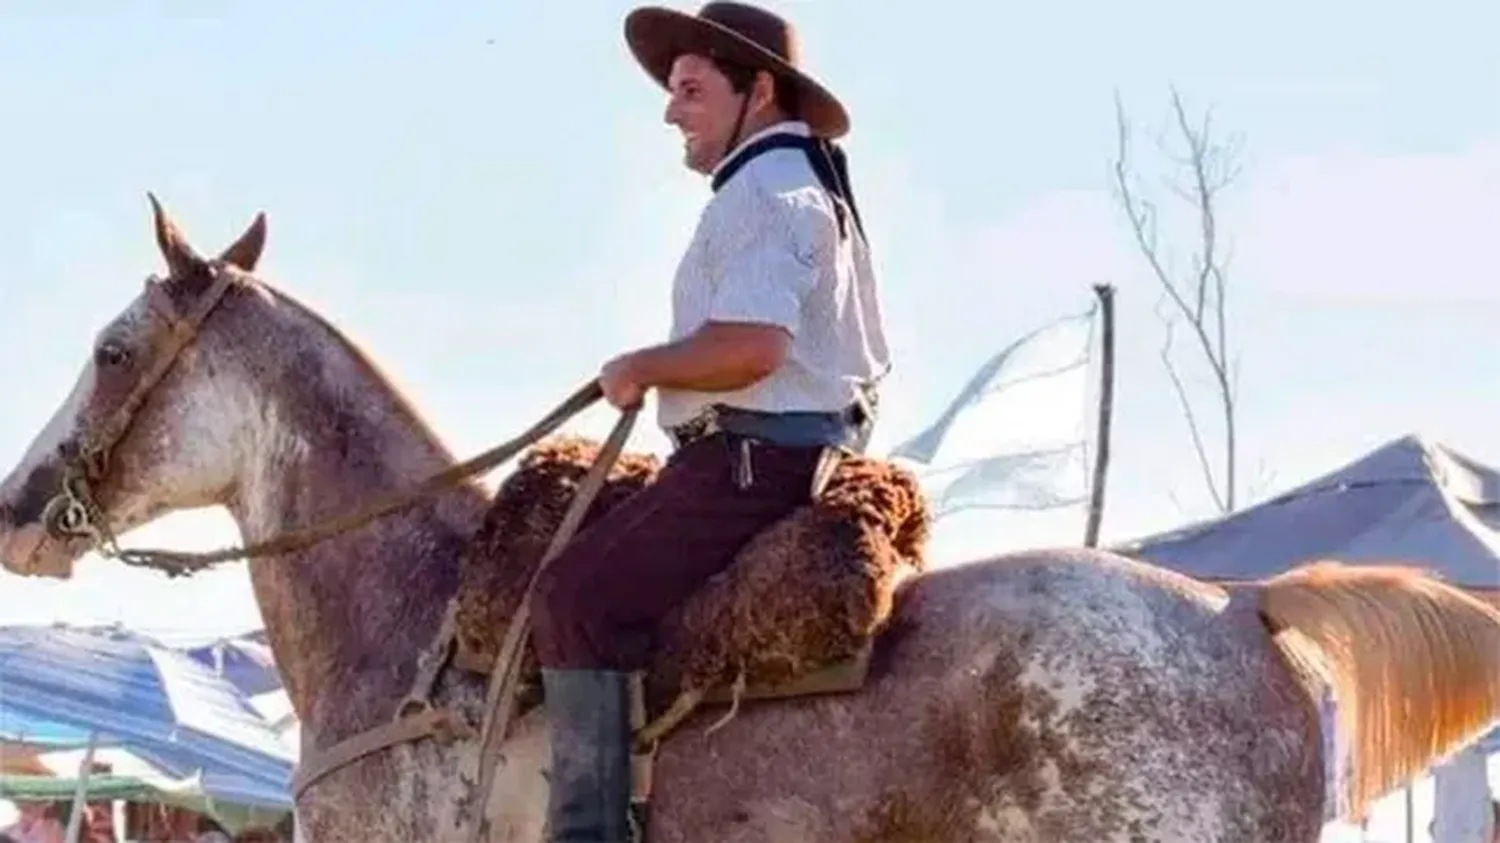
(739, 126)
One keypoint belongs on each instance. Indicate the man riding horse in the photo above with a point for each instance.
(776, 341)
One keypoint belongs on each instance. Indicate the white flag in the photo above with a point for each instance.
(1016, 436)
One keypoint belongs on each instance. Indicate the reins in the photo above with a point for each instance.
(177, 563)
(75, 513)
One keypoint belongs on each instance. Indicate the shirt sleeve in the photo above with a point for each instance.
(769, 250)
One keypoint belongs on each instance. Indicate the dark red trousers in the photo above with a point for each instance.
(598, 601)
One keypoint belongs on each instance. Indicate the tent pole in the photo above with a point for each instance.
(80, 790)
(1106, 294)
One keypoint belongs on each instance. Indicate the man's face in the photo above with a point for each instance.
(704, 107)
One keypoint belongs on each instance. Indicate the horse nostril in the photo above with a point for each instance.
(34, 495)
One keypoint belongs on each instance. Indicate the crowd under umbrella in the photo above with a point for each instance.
(66, 687)
(107, 774)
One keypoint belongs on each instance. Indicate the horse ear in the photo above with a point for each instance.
(245, 252)
(181, 259)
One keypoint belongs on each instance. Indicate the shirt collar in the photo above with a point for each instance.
(790, 127)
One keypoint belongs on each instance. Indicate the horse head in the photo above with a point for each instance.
(153, 421)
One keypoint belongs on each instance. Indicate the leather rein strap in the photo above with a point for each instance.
(74, 513)
(500, 698)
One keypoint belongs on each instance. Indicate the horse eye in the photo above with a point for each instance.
(112, 354)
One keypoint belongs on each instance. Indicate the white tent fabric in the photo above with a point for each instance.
(1410, 502)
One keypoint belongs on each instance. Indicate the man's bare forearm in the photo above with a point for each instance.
(718, 357)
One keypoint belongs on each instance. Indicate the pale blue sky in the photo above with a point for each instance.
(486, 197)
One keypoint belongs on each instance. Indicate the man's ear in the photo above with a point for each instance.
(763, 91)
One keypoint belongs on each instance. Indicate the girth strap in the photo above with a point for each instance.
(441, 724)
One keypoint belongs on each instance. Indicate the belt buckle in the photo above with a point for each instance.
(701, 426)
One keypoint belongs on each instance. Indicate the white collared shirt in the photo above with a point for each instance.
(767, 249)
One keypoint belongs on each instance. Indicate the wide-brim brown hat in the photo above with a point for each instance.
(739, 33)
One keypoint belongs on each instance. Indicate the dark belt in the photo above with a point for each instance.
(847, 428)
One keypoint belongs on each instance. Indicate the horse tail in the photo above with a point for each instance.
(1412, 662)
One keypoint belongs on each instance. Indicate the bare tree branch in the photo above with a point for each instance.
(1192, 420)
(1265, 480)
(1199, 300)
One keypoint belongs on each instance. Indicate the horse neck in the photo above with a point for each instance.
(347, 617)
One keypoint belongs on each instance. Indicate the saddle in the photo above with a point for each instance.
(796, 614)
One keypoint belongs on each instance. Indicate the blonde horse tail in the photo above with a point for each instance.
(1414, 663)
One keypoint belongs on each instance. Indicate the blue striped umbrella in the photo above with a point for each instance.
(59, 684)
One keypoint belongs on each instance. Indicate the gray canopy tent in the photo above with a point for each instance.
(1409, 502)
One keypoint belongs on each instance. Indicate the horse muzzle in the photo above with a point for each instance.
(28, 550)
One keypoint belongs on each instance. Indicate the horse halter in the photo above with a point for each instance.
(74, 512)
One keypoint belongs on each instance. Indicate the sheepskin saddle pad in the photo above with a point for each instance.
(796, 613)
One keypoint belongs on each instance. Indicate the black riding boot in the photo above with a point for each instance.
(588, 712)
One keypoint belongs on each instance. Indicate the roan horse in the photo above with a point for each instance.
(1045, 696)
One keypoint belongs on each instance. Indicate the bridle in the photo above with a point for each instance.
(74, 513)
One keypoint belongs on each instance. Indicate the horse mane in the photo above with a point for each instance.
(401, 403)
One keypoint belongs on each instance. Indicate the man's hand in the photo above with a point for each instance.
(622, 387)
